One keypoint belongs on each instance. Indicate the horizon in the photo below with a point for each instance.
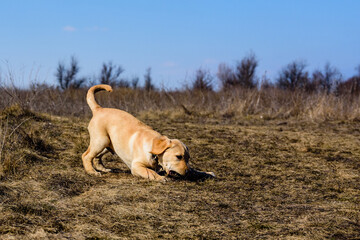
(175, 38)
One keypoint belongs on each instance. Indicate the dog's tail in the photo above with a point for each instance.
(90, 97)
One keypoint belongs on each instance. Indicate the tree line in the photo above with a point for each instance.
(292, 77)
(110, 73)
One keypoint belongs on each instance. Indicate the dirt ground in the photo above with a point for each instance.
(276, 179)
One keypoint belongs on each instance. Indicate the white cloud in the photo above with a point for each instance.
(69, 29)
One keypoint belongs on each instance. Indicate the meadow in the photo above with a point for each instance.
(287, 166)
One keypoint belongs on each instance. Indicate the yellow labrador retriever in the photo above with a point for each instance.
(142, 149)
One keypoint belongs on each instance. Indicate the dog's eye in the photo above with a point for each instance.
(179, 157)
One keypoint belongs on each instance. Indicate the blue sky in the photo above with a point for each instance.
(175, 37)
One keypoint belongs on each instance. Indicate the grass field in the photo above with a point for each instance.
(276, 179)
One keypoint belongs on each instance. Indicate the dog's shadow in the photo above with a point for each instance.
(192, 176)
(118, 170)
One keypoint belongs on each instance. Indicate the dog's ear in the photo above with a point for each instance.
(160, 144)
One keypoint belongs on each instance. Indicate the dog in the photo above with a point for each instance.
(142, 149)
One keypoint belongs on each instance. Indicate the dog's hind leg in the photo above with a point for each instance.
(95, 148)
(98, 164)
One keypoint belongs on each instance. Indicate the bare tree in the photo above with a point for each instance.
(314, 81)
(265, 82)
(245, 71)
(226, 76)
(110, 74)
(202, 81)
(123, 83)
(242, 76)
(148, 80)
(135, 82)
(67, 76)
(293, 76)
(329, 79)
(350, 86)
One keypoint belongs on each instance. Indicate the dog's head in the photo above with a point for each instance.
(173, 155)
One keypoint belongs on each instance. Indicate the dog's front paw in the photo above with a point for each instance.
(94, 173)
(163, 179)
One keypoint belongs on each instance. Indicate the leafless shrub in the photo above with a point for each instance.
(110, 74)
(134, 82)
(149, 86)
(67, 77)
(293, 76)
(226, 76)
(327, 80)
(242, 76)
(350, 86)
(202, 81)
(245, 71)
(266, 82)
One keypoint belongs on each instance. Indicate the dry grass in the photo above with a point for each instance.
(278, 178)
(269, 103)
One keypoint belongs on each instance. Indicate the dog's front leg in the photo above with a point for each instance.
(139, 170)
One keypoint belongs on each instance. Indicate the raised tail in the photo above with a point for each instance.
(90, 97)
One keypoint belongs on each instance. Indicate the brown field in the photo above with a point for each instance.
(288, 167)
